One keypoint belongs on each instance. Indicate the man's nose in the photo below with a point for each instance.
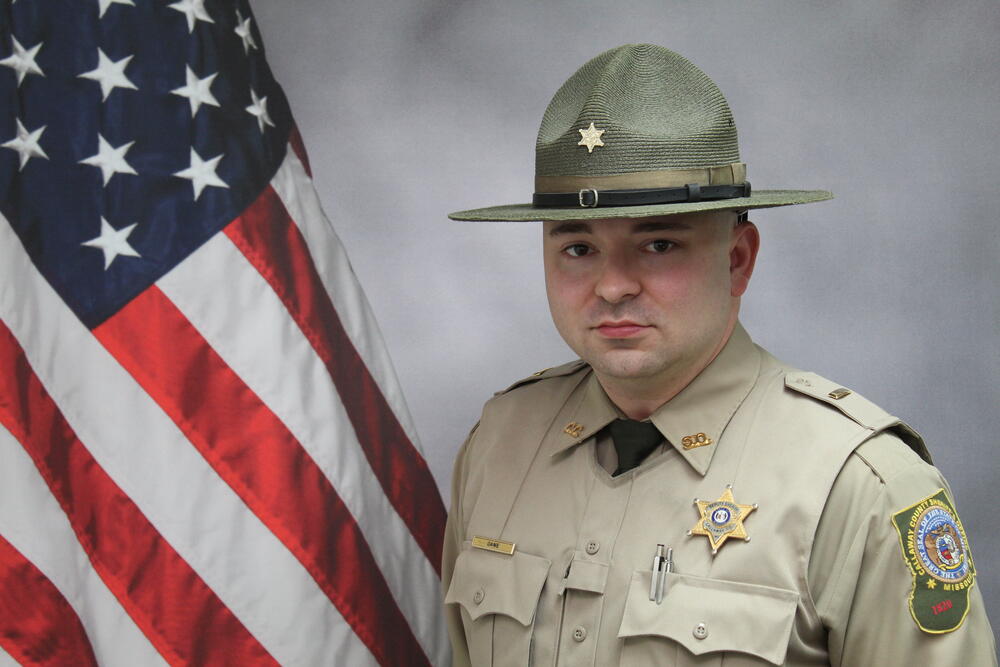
(617, 280)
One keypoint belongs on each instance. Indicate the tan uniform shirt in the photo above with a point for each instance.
(822, 580)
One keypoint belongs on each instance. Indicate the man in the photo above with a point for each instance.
(679, 496)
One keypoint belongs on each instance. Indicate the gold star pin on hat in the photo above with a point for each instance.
(591, 137)
(721, 519)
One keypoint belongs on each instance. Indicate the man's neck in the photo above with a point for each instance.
(638, 398)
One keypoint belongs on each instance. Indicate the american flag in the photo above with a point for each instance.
(204, 454)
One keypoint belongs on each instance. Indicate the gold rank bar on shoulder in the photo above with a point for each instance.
(489, 544)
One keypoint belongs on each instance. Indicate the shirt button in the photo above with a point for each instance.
(700, 631)
(579, 633)
(593, 547)
(478, 596)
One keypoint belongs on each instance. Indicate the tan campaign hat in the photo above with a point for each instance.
(638, 131)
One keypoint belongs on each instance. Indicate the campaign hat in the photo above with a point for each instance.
(638, 131)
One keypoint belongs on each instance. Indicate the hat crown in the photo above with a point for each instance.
(657, 110)
(638, 131)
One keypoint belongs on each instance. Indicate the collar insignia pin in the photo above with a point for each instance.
(721, 519)
(573, 429)
(696, 440)
(591, 138)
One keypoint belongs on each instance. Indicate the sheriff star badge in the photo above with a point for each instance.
(721, 519)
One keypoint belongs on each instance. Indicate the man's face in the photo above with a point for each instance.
(648, 299)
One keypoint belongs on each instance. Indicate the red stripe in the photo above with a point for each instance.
(163, 595)
(261, 460)
(295, 141)
(271, 241)
(37, 624)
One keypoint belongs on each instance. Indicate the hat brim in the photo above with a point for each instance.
(529, 213)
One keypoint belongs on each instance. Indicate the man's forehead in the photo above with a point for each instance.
(635, 225)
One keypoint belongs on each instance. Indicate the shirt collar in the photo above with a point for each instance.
(589, 411)
(692, 421)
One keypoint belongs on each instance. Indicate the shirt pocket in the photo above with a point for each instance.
(706, 622)
(498, 595)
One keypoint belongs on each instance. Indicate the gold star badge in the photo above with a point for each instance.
(591, 137)
(721, 519)
(930, 583)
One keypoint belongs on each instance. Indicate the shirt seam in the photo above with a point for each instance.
(863, 528)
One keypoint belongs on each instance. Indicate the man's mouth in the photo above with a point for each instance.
(620, 329)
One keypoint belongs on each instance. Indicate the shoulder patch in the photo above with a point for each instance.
(854, 406)
(555, 371)
(936, 551)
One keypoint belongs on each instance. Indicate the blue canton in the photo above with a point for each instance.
(131, 132)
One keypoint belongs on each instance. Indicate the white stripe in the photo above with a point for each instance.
(6, 660)
(273, 357)
(295, 189)
(182, 496)
(34, 523)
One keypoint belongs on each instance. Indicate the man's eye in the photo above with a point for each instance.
(577, 250)
(660, 245)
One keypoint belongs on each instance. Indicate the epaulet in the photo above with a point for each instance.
(854, 406)
(555, 371)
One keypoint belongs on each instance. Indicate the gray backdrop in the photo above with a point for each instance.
(411, 110)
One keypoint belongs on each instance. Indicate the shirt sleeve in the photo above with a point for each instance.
(871, 600)
(453, 540)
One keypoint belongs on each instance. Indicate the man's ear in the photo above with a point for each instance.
(742, 255)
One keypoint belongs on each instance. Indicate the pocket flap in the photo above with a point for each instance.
(706, 615)
(489, 583)
(586, 575)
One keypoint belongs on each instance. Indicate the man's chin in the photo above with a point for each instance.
(626, 365)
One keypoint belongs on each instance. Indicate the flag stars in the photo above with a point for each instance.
(194, 10)
(243, 31)
(22, 60)
(104, 4)
(259, 109)
(113, 242)
(109, 159)
(198, 91)
(109, 73)
(202, 174)
(26, 144)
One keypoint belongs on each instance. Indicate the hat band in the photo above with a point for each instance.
(725, 174)
(592, 198)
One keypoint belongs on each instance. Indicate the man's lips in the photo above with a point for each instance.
(622, 329)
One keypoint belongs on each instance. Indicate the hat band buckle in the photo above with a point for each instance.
(587, 198)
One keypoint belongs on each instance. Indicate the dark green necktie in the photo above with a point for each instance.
(634, 440)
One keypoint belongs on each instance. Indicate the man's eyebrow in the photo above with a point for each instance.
(577, 227)
(570, 228)
(660, 226)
